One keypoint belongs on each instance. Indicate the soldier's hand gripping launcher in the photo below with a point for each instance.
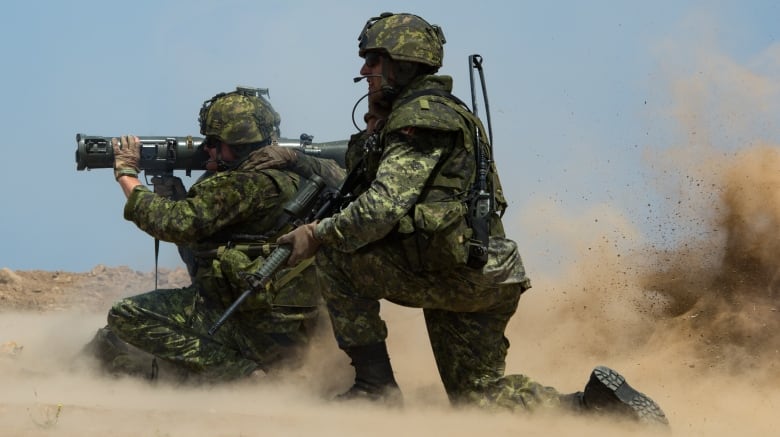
(161, 155)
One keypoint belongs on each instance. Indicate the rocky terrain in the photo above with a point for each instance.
(39, 290)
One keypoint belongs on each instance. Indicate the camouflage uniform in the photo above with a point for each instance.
(408, 235)
(227, 224)
(373, 250)
(172, 324)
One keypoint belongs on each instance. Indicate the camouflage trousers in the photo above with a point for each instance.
(173, 325)
(465, 320)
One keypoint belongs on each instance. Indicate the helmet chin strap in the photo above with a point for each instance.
(222, 165)
(389, 92)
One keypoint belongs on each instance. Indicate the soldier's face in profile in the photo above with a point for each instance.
(372, 69)
(225, 152)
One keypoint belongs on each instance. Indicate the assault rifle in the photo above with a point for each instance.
(313, 202)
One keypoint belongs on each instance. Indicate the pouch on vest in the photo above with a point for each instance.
(231, 263)
(435, 237)
(294, 287)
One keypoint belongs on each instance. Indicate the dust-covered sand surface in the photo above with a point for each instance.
(712, 367)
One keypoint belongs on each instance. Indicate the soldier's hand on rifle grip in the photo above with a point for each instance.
(127, 152)
(304, 243)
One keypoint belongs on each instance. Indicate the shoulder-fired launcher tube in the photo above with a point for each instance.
(162, 154)
(158, 154)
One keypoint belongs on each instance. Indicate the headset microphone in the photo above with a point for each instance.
(359, 78)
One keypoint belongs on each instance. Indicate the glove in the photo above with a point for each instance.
(304, 243)
(126, 156)
(169, 187)
(271, 157)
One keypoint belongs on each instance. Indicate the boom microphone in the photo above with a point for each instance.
(359, 78)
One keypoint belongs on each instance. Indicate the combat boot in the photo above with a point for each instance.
(374, 380)
(607, 392)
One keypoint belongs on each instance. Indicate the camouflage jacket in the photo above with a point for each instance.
(416, 183)
(240, 206)
(224, 204)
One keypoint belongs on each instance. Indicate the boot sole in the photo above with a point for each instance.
(612, 390)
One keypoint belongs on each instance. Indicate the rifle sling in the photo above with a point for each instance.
(295, 271)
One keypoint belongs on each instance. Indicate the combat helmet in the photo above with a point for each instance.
(241, 117)
(403, 37)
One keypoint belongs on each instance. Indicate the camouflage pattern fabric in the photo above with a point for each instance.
(238, 119)
(328, 169)
(404, 37)
(465, 319)
(172, 325)
(297, 161)
(234, 202)
(423, 161)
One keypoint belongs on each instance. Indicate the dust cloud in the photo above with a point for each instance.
(48, 390)
(690, 313)
(684, 306)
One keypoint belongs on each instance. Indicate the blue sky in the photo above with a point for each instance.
(580, 93)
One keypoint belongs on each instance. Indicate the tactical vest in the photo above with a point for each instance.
(225, 256)
(435, 232)
(268, 227)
